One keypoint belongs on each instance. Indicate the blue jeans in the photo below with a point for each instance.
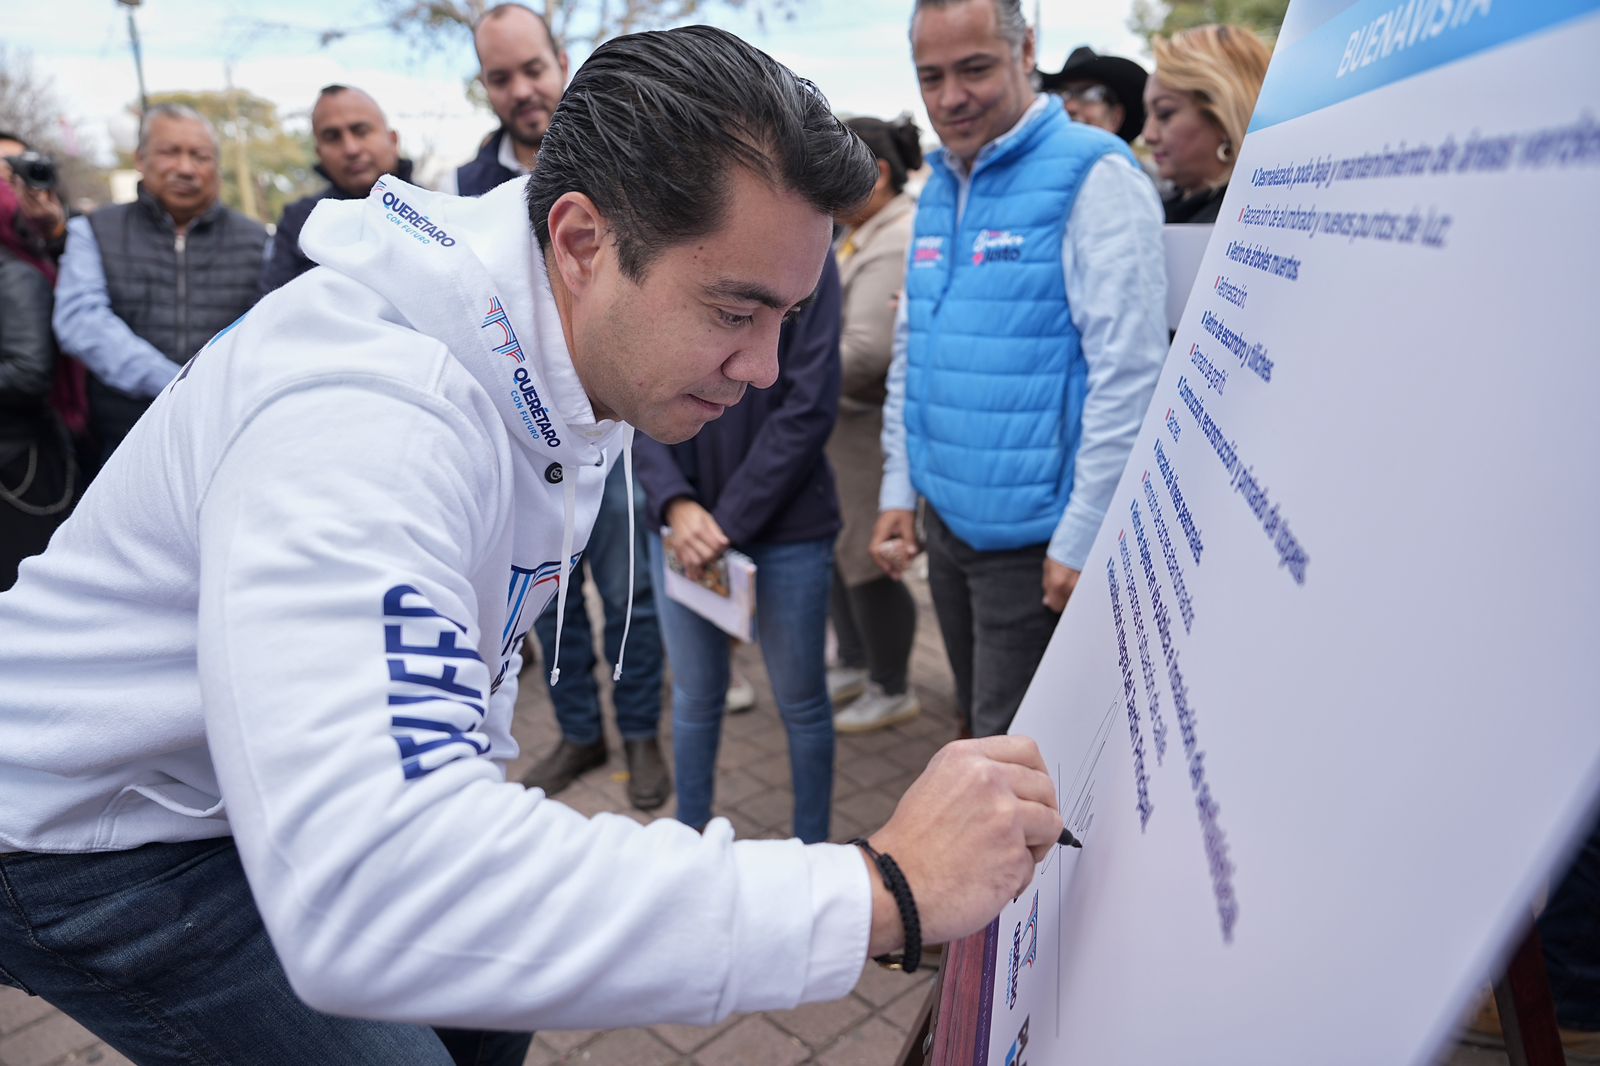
(160, 952)
(638, 695)
(792, 583)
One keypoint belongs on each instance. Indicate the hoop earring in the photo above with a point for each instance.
(1224, 152)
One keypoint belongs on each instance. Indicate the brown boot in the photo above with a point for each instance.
(648, 783)
(564, 765)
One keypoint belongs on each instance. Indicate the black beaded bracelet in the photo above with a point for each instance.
(895, 881)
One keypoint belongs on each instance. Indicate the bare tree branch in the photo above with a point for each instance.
(30, 109)
(431, 25)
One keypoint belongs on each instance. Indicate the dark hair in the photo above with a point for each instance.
(332, 89)
(7, 135)
(653, 122)
(898, 143)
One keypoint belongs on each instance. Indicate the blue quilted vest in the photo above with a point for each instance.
(995, 374)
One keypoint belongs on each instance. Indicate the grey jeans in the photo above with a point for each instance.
(991, 612)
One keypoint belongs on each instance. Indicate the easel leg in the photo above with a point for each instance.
(1527, 1009)
(919, 1044)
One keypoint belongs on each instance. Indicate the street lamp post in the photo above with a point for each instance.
(138, 58)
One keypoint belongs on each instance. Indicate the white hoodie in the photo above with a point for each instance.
(289, 609)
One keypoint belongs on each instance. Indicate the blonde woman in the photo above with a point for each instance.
(874, 616)
(1198, 104)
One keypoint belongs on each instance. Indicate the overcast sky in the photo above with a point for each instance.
(854, 49)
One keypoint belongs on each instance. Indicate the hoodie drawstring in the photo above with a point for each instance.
(569, 509)
(627, 619)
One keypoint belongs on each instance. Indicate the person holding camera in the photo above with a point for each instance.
(145, 285)
(38, 474)
(40, 221)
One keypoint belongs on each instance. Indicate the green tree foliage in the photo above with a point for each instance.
(263, 167)
(1167, 17)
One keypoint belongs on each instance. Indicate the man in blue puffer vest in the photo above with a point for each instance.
(523, 72)
(1028, 343)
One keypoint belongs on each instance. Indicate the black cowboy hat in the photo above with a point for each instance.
(1123, 77)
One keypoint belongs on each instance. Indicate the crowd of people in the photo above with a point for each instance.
(964, 381)
(1015, 468)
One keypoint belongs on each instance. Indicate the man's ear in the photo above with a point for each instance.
(565, 67)
(578, 234)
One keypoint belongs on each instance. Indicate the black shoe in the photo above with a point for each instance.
(562, 766)
(648, 783)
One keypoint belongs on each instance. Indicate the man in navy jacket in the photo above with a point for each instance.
(355, 147)
(523, 72)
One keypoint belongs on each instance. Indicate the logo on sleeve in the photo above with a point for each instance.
(436, 684)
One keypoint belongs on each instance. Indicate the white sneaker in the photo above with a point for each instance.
(741, 695)
(876, 709)
(845, 683)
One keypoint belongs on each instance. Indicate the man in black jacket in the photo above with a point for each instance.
(355, 147)
(523, 72)
(144, 285)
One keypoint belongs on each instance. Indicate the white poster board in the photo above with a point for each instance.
(1185, 246)
(1323, 706)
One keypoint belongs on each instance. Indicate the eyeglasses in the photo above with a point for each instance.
(1089, 94)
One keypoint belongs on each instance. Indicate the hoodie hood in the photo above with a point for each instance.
(458, 273)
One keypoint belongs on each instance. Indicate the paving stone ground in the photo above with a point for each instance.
(867, 1028)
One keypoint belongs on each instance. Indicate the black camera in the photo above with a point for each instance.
(36, 171)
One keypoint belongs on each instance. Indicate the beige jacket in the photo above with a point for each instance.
(872, 278)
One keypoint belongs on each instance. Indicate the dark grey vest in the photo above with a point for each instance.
(174, 295)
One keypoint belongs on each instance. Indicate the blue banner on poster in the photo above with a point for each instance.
(1333, 50)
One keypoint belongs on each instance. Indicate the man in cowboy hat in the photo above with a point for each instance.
(1104, 91)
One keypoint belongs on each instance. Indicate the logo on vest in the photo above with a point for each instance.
(996, 244)
(927, 252)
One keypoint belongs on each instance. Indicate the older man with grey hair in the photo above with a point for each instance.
(144, 285)
(1028, 343)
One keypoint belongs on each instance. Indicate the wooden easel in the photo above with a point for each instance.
(1527, 1009)
(946, 1032)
